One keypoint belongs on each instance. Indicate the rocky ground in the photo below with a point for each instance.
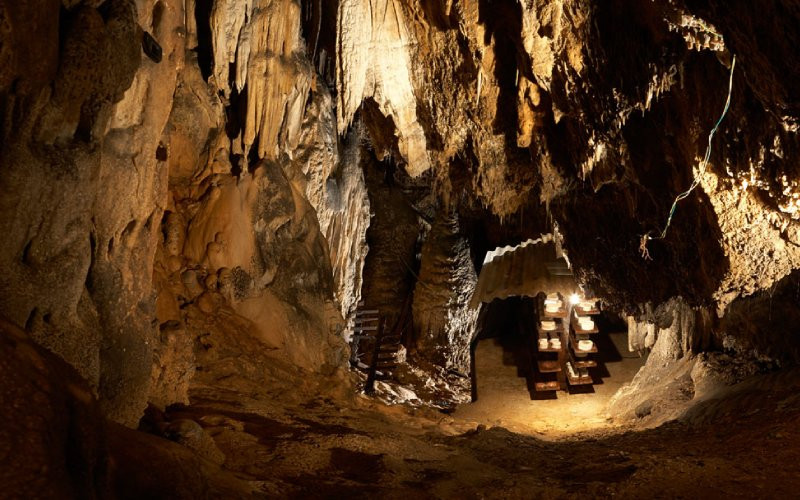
(314, 437)
(190, 231)
(742, 446)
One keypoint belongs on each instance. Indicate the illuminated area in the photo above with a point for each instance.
(546, 360)
(506, 376)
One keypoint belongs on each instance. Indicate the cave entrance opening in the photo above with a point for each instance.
(523, 383)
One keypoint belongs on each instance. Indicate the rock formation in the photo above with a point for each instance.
(444, 319)
(197, 195)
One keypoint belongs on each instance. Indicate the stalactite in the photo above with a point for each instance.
(374, 60)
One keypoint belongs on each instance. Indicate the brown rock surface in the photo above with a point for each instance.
(201, 230)
(444, 320)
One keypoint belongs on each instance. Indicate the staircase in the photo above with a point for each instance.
(370, 331)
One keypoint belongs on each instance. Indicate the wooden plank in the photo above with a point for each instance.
(561, 314)
(579, 330)
(549, 366)
(546, 386)
(357, 337)
(365, 320)
(365, 312)
(574, 344)
(584, 364)
(550, 349)
(579, 380)
(559, 329)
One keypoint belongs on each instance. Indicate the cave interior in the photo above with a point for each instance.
(382, 248)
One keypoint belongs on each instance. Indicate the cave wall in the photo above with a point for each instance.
(82, 189)
(141, 199)
(238, 177)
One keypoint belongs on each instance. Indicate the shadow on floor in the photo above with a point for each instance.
(510, 325)
(517, 352)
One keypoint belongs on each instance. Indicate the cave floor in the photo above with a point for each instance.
(335, 446)
(505, 395)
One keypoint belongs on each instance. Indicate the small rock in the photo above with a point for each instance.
(189, 279)
(190, 434)
(209, 302)
(644, 409)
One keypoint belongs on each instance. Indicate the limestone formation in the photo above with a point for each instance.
(261, 39)
(374, 60)
(444, 321)
(193, 235)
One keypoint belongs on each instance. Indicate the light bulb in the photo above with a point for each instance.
(574, 298)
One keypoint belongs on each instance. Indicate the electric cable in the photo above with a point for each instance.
(696, 181)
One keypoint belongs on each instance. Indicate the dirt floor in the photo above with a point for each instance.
(506, 398)
(746, 445)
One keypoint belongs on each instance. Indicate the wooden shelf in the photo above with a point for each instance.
(590, 312)
(581, 361)
(558, 329)
(574, 324)
(544, 314)
(551, 373)
(551, 349)
(549, 366)
(574, 344)
(547, 386)
(579, 380)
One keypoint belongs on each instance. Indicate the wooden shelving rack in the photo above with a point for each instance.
(550, 361)
(552, 372)
(577, 358)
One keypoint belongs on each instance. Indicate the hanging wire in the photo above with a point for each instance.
(695, 182)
